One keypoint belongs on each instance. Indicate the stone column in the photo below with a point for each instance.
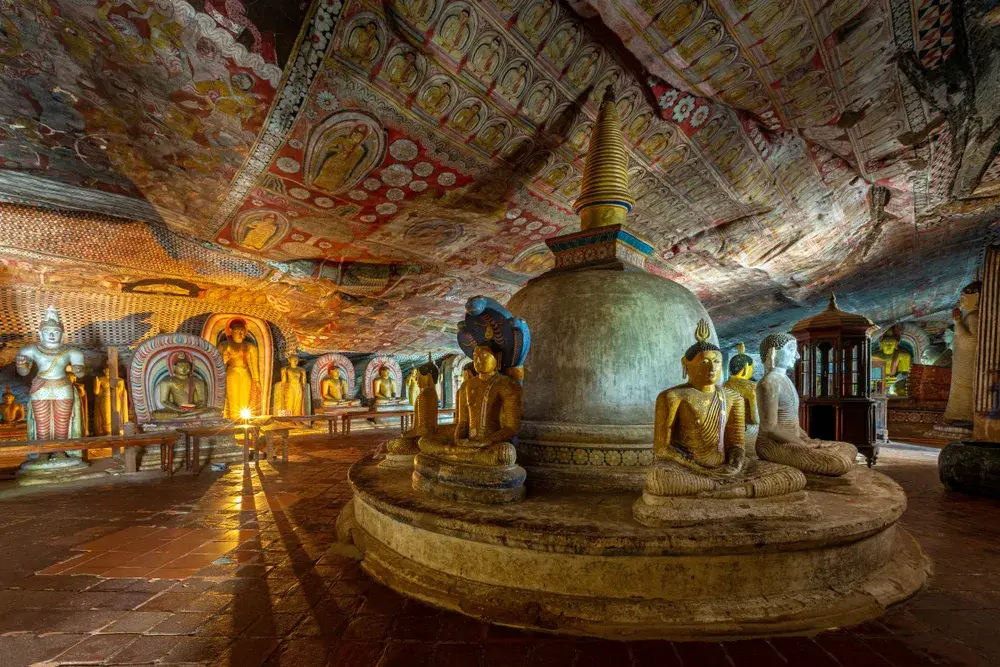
(986, 396)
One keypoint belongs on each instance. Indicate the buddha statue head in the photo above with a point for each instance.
(50, 333)
(8, 398)
(333, 372)
(741, 365)
(703, 361)
(779, 350)
(182, 367)
(384, 372)
(237, 330)
(968, 300)
(293, 360)
(427, 374)
(468, 371)
(888, 343)
(485, 360)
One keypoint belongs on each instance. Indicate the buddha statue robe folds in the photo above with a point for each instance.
(478, 462)
(699, 448)
(242, 371)
(781, 439)
(103, 397)
(291, 394)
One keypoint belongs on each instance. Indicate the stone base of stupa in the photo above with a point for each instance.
(578, 563)
(56, 469)
(971, 467)
(467, 482)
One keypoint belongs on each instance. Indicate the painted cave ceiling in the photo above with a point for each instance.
(355, 170)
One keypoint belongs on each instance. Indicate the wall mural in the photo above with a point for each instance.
(407, 155)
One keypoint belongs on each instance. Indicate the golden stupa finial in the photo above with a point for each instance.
(741, 348)
(833, 302)
(702, 333)
(605, 197)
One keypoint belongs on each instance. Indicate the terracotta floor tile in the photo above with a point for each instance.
(135, 622)
(69, 563)
(127, 572)
(173, 573)
(154, 560)
(95, 649)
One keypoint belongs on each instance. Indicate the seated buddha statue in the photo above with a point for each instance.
(11, 412)
(182, 394)
(897, 363)
(741, 381)
(698, 438)
(383, 386)
(781, 439)
(333, 389)
(425, 415)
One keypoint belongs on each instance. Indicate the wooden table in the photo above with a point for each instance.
(405, 418)
(192, 442)
(129, 442)
(330, 418)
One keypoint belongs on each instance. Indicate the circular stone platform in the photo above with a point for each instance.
(578, 563)
(971, 467)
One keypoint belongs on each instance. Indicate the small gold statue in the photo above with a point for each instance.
(383, 386)
(897, 363)
(102, 403)
(698, 437)
(183, 394)
(741, 381)
(425, 414)
(333, 388)
(487, 419)
(290, 392)
(13, 412)
(242, 370)
(412, 387)
(781, 439)
(81, 391)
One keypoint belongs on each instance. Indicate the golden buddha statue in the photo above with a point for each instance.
(12, 412)
(290, 392)
(698, 438)
(965, 345)
(182, 394)
(412, 387)
(897, 363)
(333, 389)
(383, 386)
(81, 391)
(487, 419)
(741, 381)
(425, 414)
(781, 439)
(242, 371)
(103, 397)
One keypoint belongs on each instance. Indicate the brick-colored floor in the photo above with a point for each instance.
(234, 570)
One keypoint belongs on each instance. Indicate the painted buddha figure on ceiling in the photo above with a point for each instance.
(698, 438)
(781, 439)
(741, 381)
(11, 411)
(182, 394)
(965, 345)
(897, 363)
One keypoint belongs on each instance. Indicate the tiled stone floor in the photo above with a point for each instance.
(235, 571)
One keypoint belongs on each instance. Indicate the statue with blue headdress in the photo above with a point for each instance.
(478, 464)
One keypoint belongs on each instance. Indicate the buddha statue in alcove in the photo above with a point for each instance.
(242, 370)
(741, 381)
(12, 412)
(781, 439)
(897, 363)
(333, 389)
(182, 394)
(383, 386)
(103, 397)
(698, 437)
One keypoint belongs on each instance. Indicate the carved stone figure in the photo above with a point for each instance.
(781, 439)
(182, 394)
(81, 392)
(383, 386)
(12, 411)
(897, 363)
(242, 371)
(964, 348)
(412, 387)
(54, 409)
(425, 415)
(333, 388)
(291, 394)
(740, 380)
(103, 397)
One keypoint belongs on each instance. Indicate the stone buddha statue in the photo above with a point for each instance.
(425, 416)
(242, 370)
(383, 386)
(412, 387)
(333, 389)
(103, 397)
(487, 419)
(290, 392)
(54, 408)
(897, 363)
(12, 412)
(698, 438)
(741, 381)
(781, 439)
(182, 394)
(965, 346)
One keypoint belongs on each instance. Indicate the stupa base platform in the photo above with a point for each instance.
(466, 482)
(971, 467)
(578, 563)
(653, 510)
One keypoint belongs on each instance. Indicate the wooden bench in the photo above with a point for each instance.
(194, 434)
(330, 418)
(405, 417)
(129, 442)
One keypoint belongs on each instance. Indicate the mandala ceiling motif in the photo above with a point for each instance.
(359, 168)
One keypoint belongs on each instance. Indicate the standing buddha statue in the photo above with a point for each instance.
(103, 397)
(242, 370)
(81, 392)
(290, 393)
(698, 440)
(781, 439)
(964, 351)
(54, 409)
(741, 381)
(412, 387)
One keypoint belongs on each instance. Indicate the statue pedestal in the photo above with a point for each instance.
(653, 510)
(949, 432)
(388, 405)
(338, 406)
(213, 448)
(54, 469)
(466, 482)
(578, 563)
(971, 467)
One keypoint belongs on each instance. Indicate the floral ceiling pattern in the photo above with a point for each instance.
(355, 170)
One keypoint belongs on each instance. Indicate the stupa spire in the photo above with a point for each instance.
(605, 197)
